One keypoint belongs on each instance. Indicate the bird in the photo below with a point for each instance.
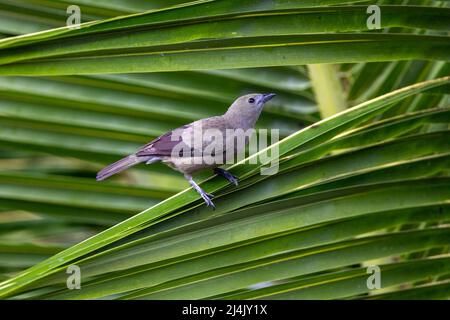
(181, 149)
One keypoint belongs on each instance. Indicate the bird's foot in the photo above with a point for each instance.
(227, 175)
(207, 197)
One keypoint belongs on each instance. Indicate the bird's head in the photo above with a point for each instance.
(246, 109)
(253, 101)
(249, 105)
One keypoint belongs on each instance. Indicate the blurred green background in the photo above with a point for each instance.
(59, 128)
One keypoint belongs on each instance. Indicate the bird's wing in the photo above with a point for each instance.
(163, 145)
(192, 137)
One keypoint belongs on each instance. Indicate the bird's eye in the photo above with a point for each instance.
(251, 100)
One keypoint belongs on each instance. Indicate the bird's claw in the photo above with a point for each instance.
(233, 179)
(207, 197)
(227, 175)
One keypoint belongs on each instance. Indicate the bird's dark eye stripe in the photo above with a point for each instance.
(251, 100)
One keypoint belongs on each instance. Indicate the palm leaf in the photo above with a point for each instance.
(368, 185)
(308, 138)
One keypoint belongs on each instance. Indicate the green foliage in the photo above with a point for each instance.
(368, 185)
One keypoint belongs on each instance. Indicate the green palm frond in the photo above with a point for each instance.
(363, 161)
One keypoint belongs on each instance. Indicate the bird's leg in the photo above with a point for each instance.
(227, 175)
(206, 196)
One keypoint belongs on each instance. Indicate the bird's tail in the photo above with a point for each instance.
(119, 166)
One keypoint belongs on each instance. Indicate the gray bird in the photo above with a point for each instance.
(171, 147)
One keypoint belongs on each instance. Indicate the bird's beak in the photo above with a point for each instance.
(267, 96)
